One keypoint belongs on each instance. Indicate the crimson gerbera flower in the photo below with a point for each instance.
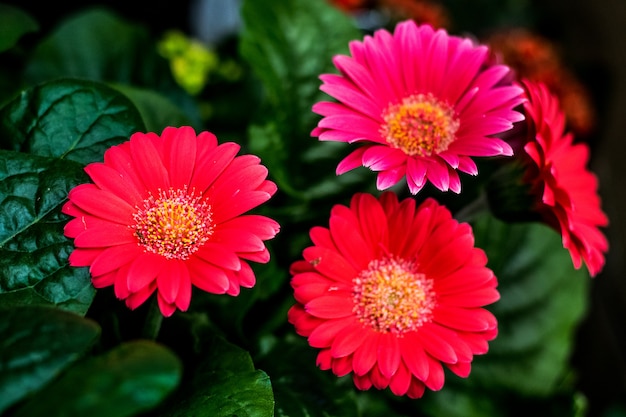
(390, 292)
(165, 213)
(567, 191)
(422, 103)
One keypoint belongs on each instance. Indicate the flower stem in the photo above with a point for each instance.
(154, 318)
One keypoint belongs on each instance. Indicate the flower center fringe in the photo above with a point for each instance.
(392, 296)
(420, 125)
(174, 225)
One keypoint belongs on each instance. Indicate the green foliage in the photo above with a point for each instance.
(14, 24)
(133, 377)
(225, 383)
(281, 42)
(37, 344)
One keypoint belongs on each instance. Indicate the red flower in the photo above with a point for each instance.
(390, 292)
(165, 213)
(566, 190)
(421, 103)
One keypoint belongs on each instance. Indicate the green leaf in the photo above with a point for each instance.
(33, 250)
(300, 388)
(69, 119)
(37, 343)
(224, 384)
(14, 23)
(288, 44)
(131, 378)
(543, 299)
(157, 111)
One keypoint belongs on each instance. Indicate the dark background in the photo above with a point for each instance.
(592, 36)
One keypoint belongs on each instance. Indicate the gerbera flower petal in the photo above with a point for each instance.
(564, 188)
(368, 294)
(110, 179)
(410, 95)
(135, 299)
(180, 154)
(149, 163)
(165, 212)
(101, 203)
(389, 355)
(144, 270)
(113, 257)
(328, 307)
(103, 234)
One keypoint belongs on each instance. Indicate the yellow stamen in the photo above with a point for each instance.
(174, 225)
(420, 125)
(392, 296)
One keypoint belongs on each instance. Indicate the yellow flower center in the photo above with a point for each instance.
(392, 296)
(174, 225)
(420, 125)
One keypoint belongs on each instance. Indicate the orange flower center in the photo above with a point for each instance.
(420, 125)
(392, 296)
(174, 225)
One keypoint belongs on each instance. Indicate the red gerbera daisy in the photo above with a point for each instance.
(422, 102)
(567, 192)
(165, 213)
(390, 292)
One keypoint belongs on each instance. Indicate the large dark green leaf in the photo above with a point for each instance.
(543, 299)
(224, 384)
(33, 250)
(14, 24)
(132, 377)
(69, 119)
(36, 344)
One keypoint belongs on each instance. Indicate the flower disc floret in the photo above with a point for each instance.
(420, 125)
(392, 296)
(174, 225)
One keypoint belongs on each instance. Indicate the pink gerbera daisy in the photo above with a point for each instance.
(422, 103)
(567, 192)
(390, 292)
(165, 213)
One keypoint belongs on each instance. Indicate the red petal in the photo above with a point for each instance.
(114, 257)
(366, 354)
(167, 309)
(329, 307)
(168, 280)
(414, 357)
(324, 334)
(144, 270)
(103, 204)
(389, 356)
(348, 341)
(219, 256)
(180, 154)
(207, 277)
